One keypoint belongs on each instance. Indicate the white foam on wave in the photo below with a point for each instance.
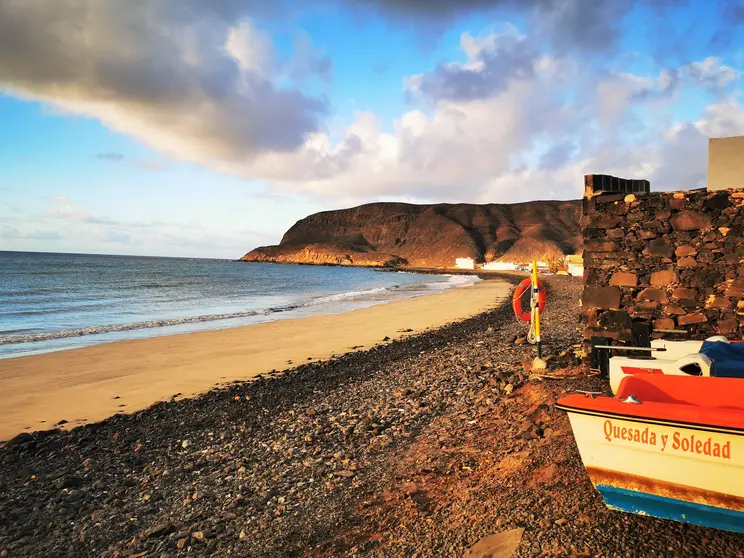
(455, 281)
(344, 296)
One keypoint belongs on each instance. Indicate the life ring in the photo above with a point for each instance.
(526, 286)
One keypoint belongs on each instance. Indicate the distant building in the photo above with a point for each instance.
(575, 265)
(726, 163)
(501, 266)
(465, 263)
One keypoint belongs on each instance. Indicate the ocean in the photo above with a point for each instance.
(51, 302)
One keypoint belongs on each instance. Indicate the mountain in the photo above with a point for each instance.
(407, 235)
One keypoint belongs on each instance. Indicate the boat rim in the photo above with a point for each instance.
(647, 420)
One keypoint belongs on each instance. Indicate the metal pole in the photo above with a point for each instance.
(627, 348)
(535, 299)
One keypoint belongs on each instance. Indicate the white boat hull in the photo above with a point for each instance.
(693, 474)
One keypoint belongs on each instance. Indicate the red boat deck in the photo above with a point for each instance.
(702, 402)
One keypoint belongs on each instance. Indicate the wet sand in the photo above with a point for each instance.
(92, 383)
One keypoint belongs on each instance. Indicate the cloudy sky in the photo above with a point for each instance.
(208, 127)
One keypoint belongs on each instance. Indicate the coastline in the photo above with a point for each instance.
(88, 384)
(120, 316)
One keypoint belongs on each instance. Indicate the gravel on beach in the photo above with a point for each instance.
(417, 447)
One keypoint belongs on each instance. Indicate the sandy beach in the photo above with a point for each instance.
(89, 384)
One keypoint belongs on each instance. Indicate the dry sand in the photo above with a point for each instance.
(92, 383)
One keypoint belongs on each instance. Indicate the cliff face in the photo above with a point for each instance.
(399, 234)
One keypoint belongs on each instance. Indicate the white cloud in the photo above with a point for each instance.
(62, 208)
(11, 233)
(251, 48)
(113, 237)
(523, 136)
(191, 79)
(711, 73)
(514, 119)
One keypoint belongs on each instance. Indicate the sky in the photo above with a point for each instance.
(206, 128)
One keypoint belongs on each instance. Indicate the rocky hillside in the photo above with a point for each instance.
(400, 234)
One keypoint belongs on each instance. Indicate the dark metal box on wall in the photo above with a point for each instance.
(606, 184)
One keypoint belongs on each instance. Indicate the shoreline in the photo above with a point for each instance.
(80, 336)
(88, 384)
(481, 273)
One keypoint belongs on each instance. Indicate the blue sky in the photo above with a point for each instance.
(175, 131)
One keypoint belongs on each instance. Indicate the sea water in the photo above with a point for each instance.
(51, 302)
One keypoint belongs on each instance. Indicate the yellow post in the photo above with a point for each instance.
(535, 295)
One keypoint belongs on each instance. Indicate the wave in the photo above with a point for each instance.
(345, 296)
(451, 282)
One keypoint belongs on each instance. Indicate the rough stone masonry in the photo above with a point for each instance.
(674, 260)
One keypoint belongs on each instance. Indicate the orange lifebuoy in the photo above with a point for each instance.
(526, 286)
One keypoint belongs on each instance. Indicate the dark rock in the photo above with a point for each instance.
(73, 496)
(624, 279)
(736, 289)
(663, 278)
(609, 198)
(721, 302)
(615, 319)
(682, 293)
(658, 248)
(707, 277)
(674, 310)
(690, 319)
(718, 201)
(601, 297)
(20, 439)
(600, 245)
(727, 325)
(69, 482)
(691, 221)
(161, 530)
(653, 294)
(683, 251)
(652, 225)
(604, 222)
(647, 235)
(664, 323)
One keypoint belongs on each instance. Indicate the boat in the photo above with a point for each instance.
(716, 356)
(674, 350)
(666, 446)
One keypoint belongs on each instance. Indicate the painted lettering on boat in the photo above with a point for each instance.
(702, 447)
(687, 443)
(645, 436)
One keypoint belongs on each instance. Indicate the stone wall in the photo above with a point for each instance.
(674, 260)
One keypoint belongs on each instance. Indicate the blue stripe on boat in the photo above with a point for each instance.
(669, 508)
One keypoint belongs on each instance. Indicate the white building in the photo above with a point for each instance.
(501, 266)
(465, 263)
(575, 265)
